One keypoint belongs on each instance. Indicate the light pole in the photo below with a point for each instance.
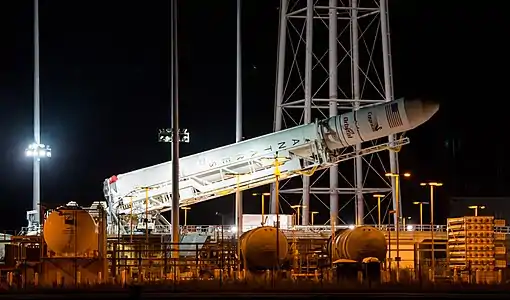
(379, 197)
(238, 214)
(146, 220)
(277, 199)
(420, 203)
(146, 217)
(297, 208)
(176, 131)
(175, 136)
(42, 209)
(312, 213)
(37, 151)
(262, 195)
(476, 207)
(391, 212)
(238, 207)
(239, 119)
(432, 250)
(277, 162)
(130, 219)
(186, 208)
(222, 245)
(397, 213)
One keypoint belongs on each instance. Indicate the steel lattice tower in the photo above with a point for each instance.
(340, 60)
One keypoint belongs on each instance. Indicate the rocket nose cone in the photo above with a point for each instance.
(429, 107)
(419, 111)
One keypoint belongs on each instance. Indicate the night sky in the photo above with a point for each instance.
(105, 92)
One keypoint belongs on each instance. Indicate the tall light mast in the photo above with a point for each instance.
(36, 150)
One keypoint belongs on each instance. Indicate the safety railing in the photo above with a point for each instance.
(210, 229)
(229, 230)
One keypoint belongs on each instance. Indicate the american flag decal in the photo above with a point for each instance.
(393, 115)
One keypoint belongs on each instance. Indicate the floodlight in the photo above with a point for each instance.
(38, 151)
(165, 135)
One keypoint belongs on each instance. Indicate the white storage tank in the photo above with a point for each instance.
(70, 231)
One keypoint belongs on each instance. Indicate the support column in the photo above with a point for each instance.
(280, 87)
(239, 117)
(37, 116)
(388, 93)
(333, 105)
(308, 100)
(175, 129)
(360, 202)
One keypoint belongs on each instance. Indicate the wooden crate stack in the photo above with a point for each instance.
(474, 245)
(500, 250)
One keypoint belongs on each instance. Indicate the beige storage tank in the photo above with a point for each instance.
(358, 244)
(70, 231)
(258, 248)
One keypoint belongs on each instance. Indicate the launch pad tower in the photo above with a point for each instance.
(333, 56)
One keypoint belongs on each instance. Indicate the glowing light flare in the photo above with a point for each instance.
(397, 175)
(431, 184)
(38, 151)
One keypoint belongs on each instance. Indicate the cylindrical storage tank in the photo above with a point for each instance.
(258, 248)
(70, 231)
(358, 244)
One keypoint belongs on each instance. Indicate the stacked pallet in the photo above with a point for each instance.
(473, 244)
(500, 250)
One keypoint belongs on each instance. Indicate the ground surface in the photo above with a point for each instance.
(447, 292)
(160, 295)
(301, 290)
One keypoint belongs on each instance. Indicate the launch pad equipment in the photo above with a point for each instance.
(204, 176)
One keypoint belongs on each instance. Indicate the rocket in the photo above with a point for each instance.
(208, 175)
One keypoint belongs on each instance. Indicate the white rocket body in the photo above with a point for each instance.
(207, 175)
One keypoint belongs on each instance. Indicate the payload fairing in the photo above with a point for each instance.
(375, 122)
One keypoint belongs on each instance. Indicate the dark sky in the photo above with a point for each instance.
(104, 91)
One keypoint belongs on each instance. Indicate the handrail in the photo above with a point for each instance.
(211, 229)
(312, 228)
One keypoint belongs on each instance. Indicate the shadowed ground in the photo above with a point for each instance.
(160, 295)
(302, 290)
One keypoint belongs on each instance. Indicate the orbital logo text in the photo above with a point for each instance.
(348, 130)
(374, 123)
